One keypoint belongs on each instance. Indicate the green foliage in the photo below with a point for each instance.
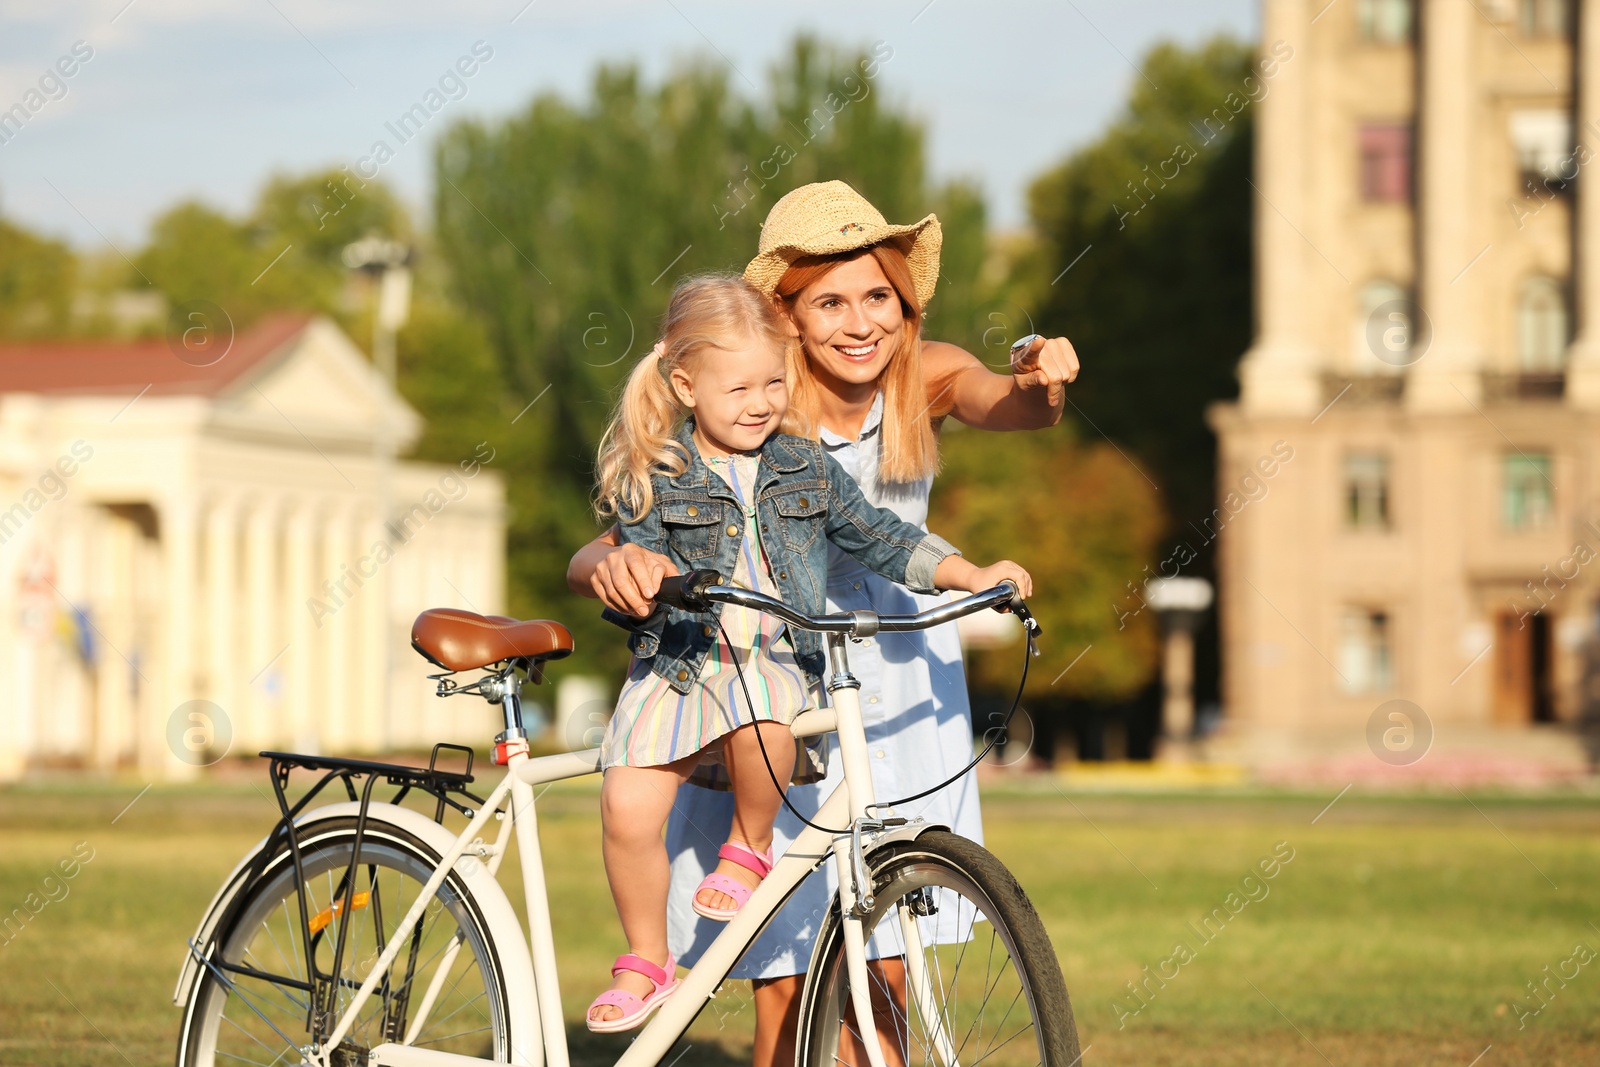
(1159, 305)
(1082, 523)
(37, 279)
(285, 255)
(566, 226)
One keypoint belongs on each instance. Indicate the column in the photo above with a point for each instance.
(261, 615)
(339, 598)
(304, 709)
(1279, 373)
(1447, 376)
(111, 541)
(180, 542)
(16, 691)
(373, 657)
(223, 607)
(1583, 360)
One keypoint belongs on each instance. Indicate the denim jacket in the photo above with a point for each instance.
(804, 500)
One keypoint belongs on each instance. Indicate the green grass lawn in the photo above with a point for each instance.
(1402, 931)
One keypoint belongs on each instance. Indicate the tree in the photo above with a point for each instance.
(1143, 258)
(37, 279)
(565, 227)
(284, 256)
(1158, 305)
(1083, 524)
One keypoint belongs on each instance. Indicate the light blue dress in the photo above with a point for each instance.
(919, 732)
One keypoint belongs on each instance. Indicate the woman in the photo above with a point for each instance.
(852, 289)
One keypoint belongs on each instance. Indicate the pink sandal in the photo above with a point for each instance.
(759, 862)
(634, 1010)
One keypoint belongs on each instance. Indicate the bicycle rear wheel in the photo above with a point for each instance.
(981, 982)
(443, 991)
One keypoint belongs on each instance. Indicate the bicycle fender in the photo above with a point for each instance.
(509, 941)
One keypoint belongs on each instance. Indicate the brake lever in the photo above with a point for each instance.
(1019, 608)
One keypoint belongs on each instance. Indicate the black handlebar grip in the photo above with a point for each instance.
(686, 592)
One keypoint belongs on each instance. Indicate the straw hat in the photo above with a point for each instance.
(830, 217)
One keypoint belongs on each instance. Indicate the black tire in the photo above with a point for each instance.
(952, 884)
(256, 1020)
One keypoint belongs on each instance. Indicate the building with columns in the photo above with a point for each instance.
(198, 560)
(1427, 353)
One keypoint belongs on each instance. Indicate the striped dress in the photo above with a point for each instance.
(654, 724)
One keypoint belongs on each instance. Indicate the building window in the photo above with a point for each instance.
(1366, 491)
(1529, 495)
(1382, 342)
(1541, 326)
(1542, 142)
(1384, 21)
(1544, 18)
(1366, 660)
(1385, 162)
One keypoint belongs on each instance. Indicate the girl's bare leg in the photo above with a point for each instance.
(778, 1017)
(755, 800)
(634, 802)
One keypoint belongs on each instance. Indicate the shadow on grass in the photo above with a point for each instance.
(601, 1050)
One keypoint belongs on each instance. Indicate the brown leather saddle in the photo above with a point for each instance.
(463, 640)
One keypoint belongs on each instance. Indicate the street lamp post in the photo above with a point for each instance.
(389, 261)
(1181, 604)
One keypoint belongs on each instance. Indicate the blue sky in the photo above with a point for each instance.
(206, 98)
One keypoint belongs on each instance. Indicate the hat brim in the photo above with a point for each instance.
(920, 241)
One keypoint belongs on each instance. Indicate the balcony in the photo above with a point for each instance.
(1363, 388)
(1501, 386)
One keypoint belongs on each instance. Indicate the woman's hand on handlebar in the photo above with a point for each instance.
(957, 573)
(627, 579)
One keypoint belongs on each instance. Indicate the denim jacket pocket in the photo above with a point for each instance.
(802, 515)
(691, 528)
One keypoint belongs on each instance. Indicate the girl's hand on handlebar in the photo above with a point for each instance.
(956, 573)
(627, 580)
(1004, 571)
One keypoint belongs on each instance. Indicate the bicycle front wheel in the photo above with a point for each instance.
(965, 974)
(444, 990)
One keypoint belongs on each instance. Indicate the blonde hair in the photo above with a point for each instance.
(708, 311)
(910, 448)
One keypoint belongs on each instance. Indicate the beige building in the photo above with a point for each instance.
(1427, 353)
(214, 548)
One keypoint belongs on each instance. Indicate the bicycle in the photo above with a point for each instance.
(363, 932)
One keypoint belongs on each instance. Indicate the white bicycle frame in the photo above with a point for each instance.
(848, 805)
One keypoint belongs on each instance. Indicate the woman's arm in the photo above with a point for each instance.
(1029, 398)
(623, 577)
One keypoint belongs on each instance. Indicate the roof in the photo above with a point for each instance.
(90, 368)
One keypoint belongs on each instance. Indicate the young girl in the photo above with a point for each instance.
(693, 466)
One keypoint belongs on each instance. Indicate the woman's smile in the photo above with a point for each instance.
(858, 353)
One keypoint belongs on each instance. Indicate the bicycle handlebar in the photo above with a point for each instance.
(698, 590)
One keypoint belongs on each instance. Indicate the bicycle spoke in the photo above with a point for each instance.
(465, 1016)
(1002, 1044)
(987, 994)
(1001, 1025)
(462, 1033)
(286, 991)
(254, 1038)
(970, 994)
(452, 1015)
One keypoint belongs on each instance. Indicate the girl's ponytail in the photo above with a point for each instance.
(639, 440)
